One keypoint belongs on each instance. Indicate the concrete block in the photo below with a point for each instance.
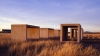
(33, 33)
(18, 32)
(44, 33)
(56, 33)
(64, 31)
(24, 32)
(51, 33)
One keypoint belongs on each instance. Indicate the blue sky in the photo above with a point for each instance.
(50, 13)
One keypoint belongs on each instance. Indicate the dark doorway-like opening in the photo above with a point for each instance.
(66, 32)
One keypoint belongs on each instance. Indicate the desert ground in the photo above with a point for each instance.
(9, 47)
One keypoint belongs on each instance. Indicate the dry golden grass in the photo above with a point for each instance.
(10, 47)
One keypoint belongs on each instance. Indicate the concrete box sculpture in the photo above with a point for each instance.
(46, 33)
(24, 32)
(64, 31)
(73, 32)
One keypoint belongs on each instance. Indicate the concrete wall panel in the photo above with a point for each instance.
(32, 33)
(51, 33)
(43, 32)
(18, 32)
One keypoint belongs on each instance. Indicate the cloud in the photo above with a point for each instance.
(6, 22)
(11, 20)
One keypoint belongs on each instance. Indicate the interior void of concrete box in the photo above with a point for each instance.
(73, 33)
(65, 32)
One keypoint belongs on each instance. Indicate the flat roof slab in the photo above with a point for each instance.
(70, 25)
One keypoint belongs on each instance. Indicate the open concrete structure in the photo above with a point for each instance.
(64, 31)
(73, 33)
(24, 32)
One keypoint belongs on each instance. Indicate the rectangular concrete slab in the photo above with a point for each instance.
(18, 32)
(44, 33)
(51, 33)
(33, 33)
(24, 32)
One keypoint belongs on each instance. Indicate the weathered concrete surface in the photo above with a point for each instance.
(56, 33)
(51, 33)
(44, 33)
(24, 32)
(64, 31)
(18, 32)
(5, 35)
(33, 33)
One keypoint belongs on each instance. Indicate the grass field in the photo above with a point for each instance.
(10, 47)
